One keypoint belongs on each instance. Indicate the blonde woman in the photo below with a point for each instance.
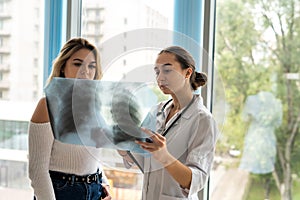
(59, 170)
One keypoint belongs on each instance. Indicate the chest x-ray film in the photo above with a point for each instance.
(99, 113)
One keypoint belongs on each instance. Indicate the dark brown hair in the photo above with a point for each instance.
(186, 60)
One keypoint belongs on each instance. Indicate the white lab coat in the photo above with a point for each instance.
(192, 141)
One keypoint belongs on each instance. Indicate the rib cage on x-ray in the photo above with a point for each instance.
(126, 115)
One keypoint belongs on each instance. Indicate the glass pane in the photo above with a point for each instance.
(257, 57)
(109, 21)
(21, 74)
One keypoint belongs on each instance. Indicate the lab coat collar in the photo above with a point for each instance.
(198, 102)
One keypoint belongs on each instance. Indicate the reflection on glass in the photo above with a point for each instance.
(264, 113)
(256, 52)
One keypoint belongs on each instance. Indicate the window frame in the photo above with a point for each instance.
(63, 21)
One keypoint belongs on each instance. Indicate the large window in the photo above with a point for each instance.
(256, 54)
(256, 89)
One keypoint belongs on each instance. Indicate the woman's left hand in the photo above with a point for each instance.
(106, 191)
(157, 147)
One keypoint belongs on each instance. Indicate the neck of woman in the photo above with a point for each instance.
(181, 99)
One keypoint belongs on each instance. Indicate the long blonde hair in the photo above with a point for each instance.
(70, 47)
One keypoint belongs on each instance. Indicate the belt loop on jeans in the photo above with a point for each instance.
(73, 179)
(97, 174)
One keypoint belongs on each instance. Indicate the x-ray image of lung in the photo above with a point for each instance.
(100, 113)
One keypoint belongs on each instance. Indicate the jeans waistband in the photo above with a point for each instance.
(89, 178)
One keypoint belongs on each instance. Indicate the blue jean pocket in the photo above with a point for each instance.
(59, 184)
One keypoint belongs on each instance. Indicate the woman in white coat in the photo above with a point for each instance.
(182, 146)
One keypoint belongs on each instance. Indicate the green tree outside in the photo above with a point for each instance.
(257, 49)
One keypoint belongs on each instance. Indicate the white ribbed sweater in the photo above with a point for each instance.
(47, 153)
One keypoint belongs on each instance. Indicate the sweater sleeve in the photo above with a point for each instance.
(40, 145)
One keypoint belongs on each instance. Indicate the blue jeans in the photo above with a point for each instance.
(70, 190)
(65, 190)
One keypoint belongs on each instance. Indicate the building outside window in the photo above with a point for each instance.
(18, 90)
